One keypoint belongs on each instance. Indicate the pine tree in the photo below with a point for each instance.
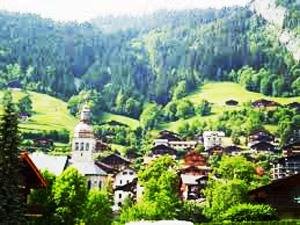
(11, 207)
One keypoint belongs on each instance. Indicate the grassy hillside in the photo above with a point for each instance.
(218, 93)
(49, 113)
(106, 117)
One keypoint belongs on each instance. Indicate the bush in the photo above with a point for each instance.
(249, 212)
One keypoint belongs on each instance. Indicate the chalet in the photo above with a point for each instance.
(160, 150)
(32, 179)
(121, 193)
(212, 138)
(173, 140)
(193, 174)
(124, 186)
(216, 149)
(101, 146)
(263, 103)
(116, 161)
(107, 168)
(259, 136)
(231, 102)
(282, 194)
(263, 147)
(43, 142)
(23, 116)
(54, 164)
(285, 167)
(232, 150)
(291, 149)
(14, 84)
(132, 154)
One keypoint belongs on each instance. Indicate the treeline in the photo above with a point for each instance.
(127, 67)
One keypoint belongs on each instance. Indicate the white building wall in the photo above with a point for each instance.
(83, 148)
(124, 177)
(212, 138)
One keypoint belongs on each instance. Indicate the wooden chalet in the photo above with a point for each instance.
(217, 149)
(168, 135)
(115, 161)
(260, 135)
(232, 150)
(32, 179)
(264, 103)
(231, 102)
(159, 150)
(101, 146)
(285, 166)
(193, 173)
(282, 194)
(107, 168)
(291, 149)
(263, 147)
(43, 142)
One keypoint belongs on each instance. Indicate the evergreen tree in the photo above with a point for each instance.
(11, 202)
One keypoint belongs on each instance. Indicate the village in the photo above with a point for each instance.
(194, 168)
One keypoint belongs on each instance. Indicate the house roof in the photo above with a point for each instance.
(115, 156)
(32, 176)
(162, 150)
(131, 186)
(171, 136)
(262, 146)
(105, 167)
(232, 148)
(288, 158)
(191, 179)
(89, 168)
(276, 184)
(54, 164)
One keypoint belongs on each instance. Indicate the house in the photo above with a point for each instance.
(291, 149)
(286, 166)
(101, 146)
(193, 176)
(231, 102)
(43, 142)
(14, 84)
(54, 164)
(173, 140)
(263, 147)
(160, 150)
(124, 186)
(83, 150)
(212, 138)
(23, 116)
(263, 103)
(31, 179)
(282, 194)
(116, 161)
(216, 149)
(121, 193)
(232, 150)
(259, 136)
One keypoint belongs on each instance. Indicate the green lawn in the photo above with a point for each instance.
(106, 117)
(49, 113)
(218, 93)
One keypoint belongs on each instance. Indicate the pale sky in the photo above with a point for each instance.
(82, 10)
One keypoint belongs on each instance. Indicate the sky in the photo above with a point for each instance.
(83, 10)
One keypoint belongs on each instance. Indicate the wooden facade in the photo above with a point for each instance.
(115, 161)
(282, 194)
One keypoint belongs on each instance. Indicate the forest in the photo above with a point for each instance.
(122, 63)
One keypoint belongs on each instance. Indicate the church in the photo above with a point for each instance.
(84, 145)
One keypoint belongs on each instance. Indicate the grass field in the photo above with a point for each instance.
(106, 117)
(218, 93)
(49, 113)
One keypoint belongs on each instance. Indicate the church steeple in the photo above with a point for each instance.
(84, 141)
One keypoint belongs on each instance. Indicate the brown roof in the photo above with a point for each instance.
(32, 176)
(171, 136)
(162, 150)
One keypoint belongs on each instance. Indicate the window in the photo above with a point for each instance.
(120, 195)
(76, 146)
(124, 173)
(81, 146)
(131, 173)
(89, 184)
(120, 181)
(87, 146)
(100, 184)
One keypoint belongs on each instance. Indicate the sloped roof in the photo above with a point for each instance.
(54, 164)
(88, 168)
(162, 149)
(116, 156)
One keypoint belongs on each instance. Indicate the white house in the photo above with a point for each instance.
(212, 138)
(125, 185)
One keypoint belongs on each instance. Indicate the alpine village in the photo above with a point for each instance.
(178, 116)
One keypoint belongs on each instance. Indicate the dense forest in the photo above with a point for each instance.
(121, 63)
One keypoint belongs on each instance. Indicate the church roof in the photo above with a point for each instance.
(54, 164)
(88, 168)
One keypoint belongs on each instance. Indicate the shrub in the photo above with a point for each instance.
(249, 212)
